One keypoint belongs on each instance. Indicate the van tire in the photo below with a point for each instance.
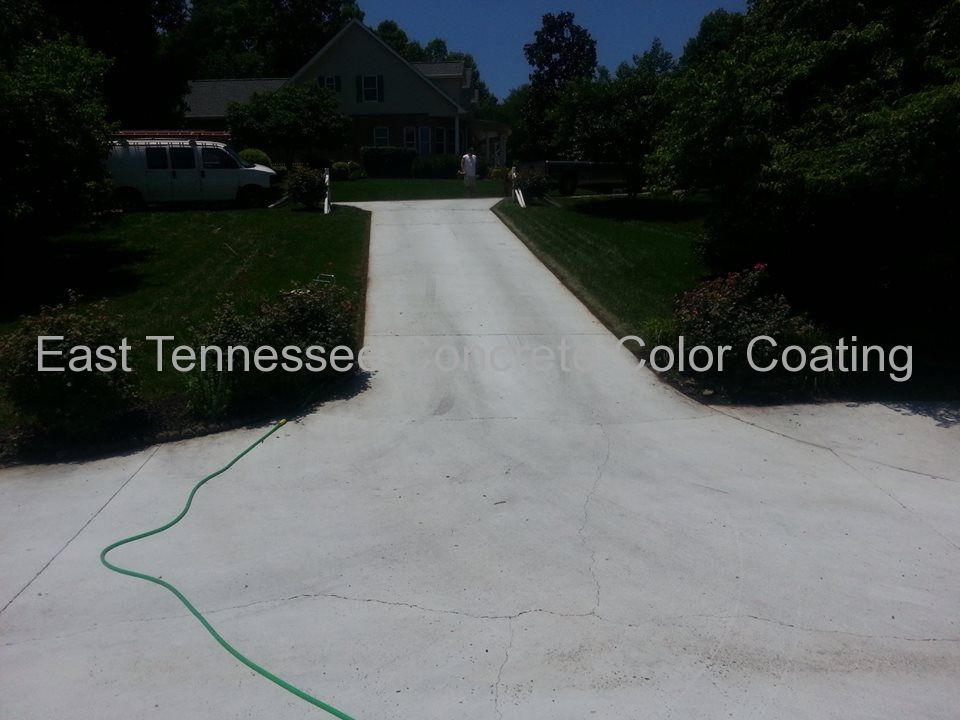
(251, 196)
(128, 199)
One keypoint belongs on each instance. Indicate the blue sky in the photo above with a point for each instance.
(494, 31)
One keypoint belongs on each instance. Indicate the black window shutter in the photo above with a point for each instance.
(336, 82)
(359, 88)
(379, 88)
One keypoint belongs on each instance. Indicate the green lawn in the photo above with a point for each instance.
(626, 258)
(163, 271)
(409, 189)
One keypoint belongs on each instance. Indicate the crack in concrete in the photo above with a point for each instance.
(829, 449)
(499, 682)
(82, 528)
(893, 497)
(582, 531)
(668, 621)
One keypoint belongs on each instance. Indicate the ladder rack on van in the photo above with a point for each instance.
(184, 135)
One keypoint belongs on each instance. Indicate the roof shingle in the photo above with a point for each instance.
(210, 98)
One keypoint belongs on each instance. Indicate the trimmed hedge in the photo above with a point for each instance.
(388, 162)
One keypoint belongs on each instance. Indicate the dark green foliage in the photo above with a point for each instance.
(295, 117)
(734, 309)
(53, 118)
(261, 38)
(346, 171)
(613, 118)
(562, 52)
(147, 77)
(314, 314)
(65, 405)
(307, 186)
(256, 156)
(443, 166)
(387, 162)
(532, 186)
(828, 131)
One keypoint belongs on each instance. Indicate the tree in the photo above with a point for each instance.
(718, 31)
(436, 50)
(827, 131)
(561, 51)
(613, 118)
(292, 118)
(261, 38)
(54, 118)
(147, 78)
(394, 36)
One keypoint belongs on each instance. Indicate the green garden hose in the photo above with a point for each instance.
(196, 613)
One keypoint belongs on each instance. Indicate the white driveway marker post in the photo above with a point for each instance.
(326, 202)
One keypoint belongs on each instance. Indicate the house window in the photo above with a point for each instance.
(424, 148)
(381, 136)
(410, 137)
(372, 90)
(439, 140)
(330, 82)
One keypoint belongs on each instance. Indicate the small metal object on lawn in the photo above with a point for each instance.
(325, 278)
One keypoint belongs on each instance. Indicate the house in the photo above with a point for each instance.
(392, 102)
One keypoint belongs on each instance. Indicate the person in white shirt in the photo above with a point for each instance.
(468, 168)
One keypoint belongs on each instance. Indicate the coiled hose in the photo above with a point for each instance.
(196, 613)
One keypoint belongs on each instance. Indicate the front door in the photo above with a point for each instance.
(424, 148)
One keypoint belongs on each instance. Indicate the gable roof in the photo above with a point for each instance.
(356, 23)
(211, 98)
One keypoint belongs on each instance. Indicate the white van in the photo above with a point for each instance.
(157, 171)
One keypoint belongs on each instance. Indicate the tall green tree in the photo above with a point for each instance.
(293, 118)
(147, 77)
(54, 120)
(561, 53)
(827, 129)
(261, 38)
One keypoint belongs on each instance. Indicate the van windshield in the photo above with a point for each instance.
(236, 156)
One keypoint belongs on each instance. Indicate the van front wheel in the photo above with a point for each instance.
(251, 196)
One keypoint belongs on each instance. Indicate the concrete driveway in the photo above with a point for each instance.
(483, 543)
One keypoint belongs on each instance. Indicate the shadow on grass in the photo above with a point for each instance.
(643, 209)
(42, 271)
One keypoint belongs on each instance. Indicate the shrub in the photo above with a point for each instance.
(532, 186)
(256, 156)
(734, 309)
(497, 174)
(70, 405)
(355, 171)
(387, 162)
(436, 166)
(340, 171)
(314, 314)
(307, 186)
